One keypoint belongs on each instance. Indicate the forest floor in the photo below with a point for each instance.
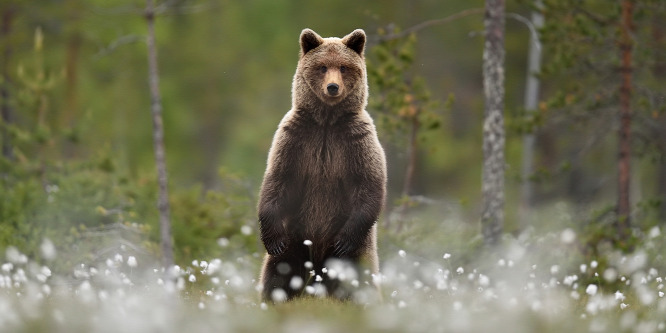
(537, 281)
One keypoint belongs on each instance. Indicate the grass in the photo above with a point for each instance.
(540, 281)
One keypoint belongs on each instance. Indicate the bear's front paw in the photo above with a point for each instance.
(276, 245)
(344, 247)
(276, 248)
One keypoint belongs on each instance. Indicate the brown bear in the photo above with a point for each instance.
(325, 180)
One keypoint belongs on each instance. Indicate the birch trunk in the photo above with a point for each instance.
(531, 103)
(492, 218)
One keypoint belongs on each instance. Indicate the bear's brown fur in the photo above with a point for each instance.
(325, 181)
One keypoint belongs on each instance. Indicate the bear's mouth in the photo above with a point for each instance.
(331, 99)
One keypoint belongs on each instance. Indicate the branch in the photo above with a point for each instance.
(423, 25)
(128, 39)
(530, 25)
(464, 13)
(594, 17)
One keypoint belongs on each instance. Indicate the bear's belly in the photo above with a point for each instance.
(324, 208)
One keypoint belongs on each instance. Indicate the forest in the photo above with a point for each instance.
(525, 143)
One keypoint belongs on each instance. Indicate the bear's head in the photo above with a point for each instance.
(332, 70)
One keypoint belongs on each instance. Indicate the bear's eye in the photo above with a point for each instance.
(322, 69)
(343, 69)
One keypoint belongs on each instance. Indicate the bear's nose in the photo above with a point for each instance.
(332, 89)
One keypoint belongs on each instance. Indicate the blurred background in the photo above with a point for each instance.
(77, 132)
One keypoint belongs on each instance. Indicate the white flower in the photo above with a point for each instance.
(460, 270)
(447, 255)
(610, 274)
(296, 283)
(591, 289)
(192, 278)
(654, 232)
(619, 296)
(278, 295)
(567, 236)
(484, 280)
(246, 230)
(307, 242)
(7, 267)
(46, 271)
(48, 249)
(131, 261)
(223, 242)
(402, 253)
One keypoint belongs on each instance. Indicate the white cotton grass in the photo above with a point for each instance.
(48, 249)
(538, 282)
(591, 289)
(131, 261)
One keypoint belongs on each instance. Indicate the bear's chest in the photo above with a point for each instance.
(327, 152)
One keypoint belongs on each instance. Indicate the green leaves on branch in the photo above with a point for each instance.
(400, 96)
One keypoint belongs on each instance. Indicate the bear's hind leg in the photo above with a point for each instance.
(280, 280)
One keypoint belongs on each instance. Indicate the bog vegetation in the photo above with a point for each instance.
(79, 232)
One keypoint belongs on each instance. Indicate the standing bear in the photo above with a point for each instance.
(325, 180)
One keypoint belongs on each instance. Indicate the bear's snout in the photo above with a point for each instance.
(333, 89)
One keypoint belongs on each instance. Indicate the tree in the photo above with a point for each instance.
(623, 221)
(599, 57)
(492, 215)
(158, 138)
(658, 33)
(406, 109)
(74, 42)
(531, 103)
(8, 13)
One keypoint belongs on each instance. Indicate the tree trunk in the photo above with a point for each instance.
(5, 81)
(531, 103)
(492, 218)
(74, 40)
(624, 158)
(412, 152)
(659, 71)
(158, 139)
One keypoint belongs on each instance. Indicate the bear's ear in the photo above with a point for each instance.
(355, 41)
(309, 41)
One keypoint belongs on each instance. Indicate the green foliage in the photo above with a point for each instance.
(582, 57)
(205, 220)
(400, 97)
